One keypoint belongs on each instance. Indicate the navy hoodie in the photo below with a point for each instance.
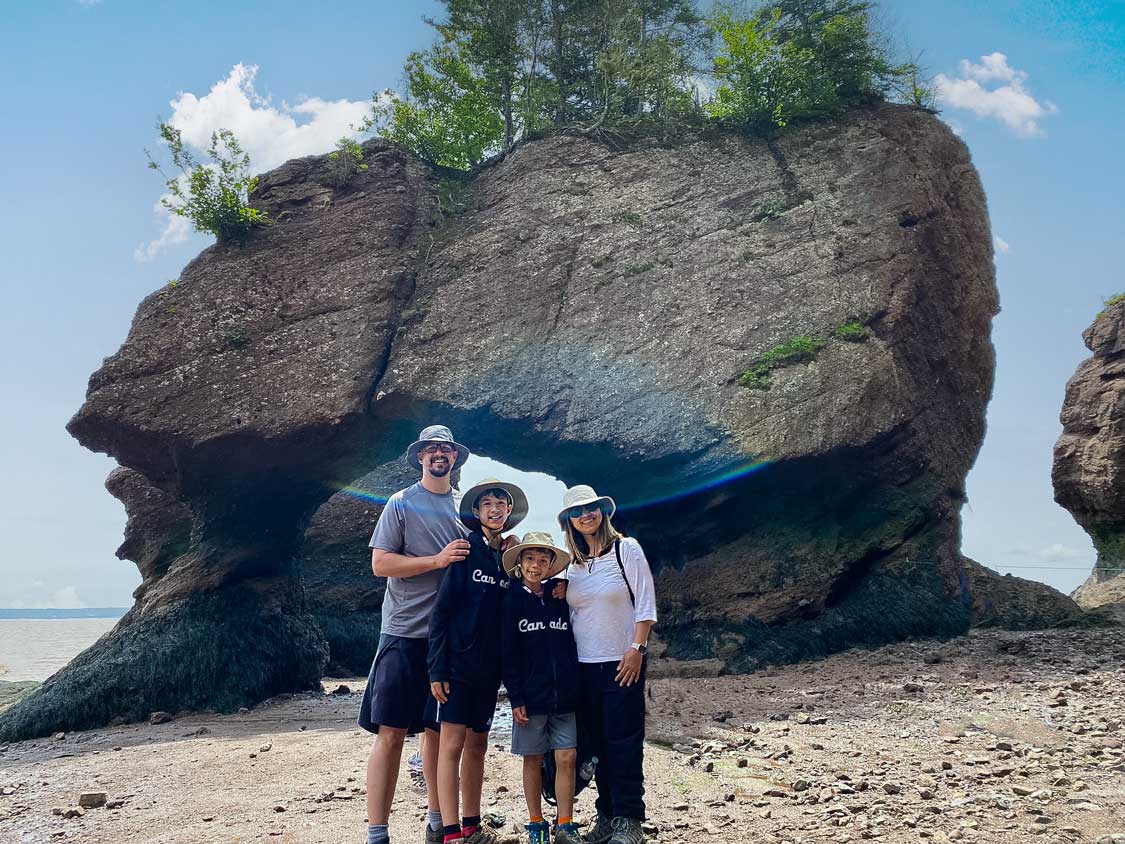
(540, 657)
(465, 624)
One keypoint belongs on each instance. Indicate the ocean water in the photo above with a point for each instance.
(35, 648)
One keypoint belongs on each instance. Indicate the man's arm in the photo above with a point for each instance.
(389, 564)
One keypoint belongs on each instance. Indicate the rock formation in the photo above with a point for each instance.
(1089, 468)
(774, 355)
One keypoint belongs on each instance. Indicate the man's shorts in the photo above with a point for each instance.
(543, 733)
(468, 704)
(397, 687)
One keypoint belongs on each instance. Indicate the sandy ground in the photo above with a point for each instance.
(997, 737)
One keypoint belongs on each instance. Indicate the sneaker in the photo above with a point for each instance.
(434, 836)
(602, 831)
(627, 831)
(538, 832)
(567, 833)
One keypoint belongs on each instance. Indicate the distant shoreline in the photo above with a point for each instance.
(83, 612)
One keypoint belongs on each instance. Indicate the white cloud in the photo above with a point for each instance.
(1058, 553)
(1001, 245)
(175, 229)
(1010, 102)
(65, 599)
(271, 134)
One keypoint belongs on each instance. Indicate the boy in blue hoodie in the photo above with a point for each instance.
(541, 676)
(464, 658)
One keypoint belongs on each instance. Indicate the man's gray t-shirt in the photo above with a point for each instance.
(415, 523)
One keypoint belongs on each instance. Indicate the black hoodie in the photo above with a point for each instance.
(540, 657)
(465, 624)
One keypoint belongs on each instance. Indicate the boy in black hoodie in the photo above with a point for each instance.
(464, 657)
(541, 676)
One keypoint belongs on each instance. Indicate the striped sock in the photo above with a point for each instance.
(377, 834)
(452, 832)
(470, 824)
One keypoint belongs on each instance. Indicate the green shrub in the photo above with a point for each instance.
(1112, 300)
(798, 59)
(215, 196)
(638, 269)
(852, 332)
(631, 218)
(798, 350)
(346, 161)
(446, 117)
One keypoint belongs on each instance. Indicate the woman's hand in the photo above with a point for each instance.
(629, 669)
(560, 590)
(519, 715)
(440, 691)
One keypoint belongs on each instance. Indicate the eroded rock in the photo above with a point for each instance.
(587, 311)
(1089, 465)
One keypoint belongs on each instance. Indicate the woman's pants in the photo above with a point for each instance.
(613, 717)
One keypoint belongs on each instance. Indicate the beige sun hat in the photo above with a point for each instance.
(519, 502)
(535, 540)
(435, 434)
(581, 495)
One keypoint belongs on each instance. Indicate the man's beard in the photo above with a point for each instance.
(440, 471)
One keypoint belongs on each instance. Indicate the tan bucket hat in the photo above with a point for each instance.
(435, 434)
(580, 495)
(519, 502)
(535, 540)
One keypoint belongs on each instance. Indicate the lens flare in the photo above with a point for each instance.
(713, 482)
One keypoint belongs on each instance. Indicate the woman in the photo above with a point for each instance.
(612, 608)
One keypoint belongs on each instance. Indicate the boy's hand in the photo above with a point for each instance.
(560, 590)
(519, 715)
(440, 691)
(454, 552)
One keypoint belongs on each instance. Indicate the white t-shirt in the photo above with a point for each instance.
(601, 615)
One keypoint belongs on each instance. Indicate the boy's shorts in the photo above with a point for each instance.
(468, 704)
(397, 686)
(543, 733)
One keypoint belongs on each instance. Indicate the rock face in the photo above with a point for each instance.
(1089, 468)
(774, 355)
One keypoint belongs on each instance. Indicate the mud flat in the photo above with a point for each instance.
(997, 737)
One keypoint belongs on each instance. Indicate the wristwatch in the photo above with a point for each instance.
(639, 647)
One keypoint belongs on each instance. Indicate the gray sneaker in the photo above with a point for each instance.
(627, 831)
(434, 837)
(602, 831)
(568, 833)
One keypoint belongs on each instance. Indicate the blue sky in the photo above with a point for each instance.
(86, 83)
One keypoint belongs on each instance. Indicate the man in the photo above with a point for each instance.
(417, 537)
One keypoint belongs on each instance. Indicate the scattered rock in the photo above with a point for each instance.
(159, 717)
(92, 799)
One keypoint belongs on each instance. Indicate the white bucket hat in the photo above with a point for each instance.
(536, 540)
(435, 434)
(519, 502)
(580, 495)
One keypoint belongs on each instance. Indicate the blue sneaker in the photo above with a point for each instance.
(538, 832)
(567, 833)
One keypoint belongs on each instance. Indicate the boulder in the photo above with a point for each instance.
(1089, 465)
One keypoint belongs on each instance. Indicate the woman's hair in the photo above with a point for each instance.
(576, 543)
